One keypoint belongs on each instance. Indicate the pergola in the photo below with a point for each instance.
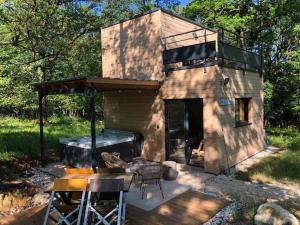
(89, 86)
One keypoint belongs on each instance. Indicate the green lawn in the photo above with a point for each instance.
(19, 138)
(283, 166)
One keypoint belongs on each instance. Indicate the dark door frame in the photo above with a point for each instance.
(187, 148)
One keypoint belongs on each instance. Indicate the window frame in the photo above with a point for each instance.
(243, 111)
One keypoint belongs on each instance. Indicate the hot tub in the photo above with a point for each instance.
(77, 151)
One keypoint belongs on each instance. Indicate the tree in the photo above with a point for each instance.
(41, 32)
(274, 25)
(42, 40)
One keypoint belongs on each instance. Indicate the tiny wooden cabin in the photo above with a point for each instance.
(209, 109)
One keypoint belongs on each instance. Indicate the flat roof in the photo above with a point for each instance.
(82, 84)
(164, 11)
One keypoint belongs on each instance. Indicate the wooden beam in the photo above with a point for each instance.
(97, 83)
(126, 83)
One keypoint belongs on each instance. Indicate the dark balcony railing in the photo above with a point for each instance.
(243, 59)
(193, 52)
(227, 54)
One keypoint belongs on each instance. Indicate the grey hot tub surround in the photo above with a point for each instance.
(77, 151)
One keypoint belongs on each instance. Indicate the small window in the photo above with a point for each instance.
(243, 112)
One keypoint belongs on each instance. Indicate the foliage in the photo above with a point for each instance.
(46, 40)
(268, 95)
(19, 137)
(284, 138)
(283, 166)
(275, 25)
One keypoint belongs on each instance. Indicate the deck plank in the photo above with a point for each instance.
(189, 208)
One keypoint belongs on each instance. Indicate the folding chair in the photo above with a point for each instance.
(69, 171)
(94, 206)
(67, 213)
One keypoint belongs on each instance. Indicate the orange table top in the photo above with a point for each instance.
(126, 176)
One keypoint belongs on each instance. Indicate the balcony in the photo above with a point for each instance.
(203, 47)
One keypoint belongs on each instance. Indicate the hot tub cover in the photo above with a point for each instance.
(108, 137)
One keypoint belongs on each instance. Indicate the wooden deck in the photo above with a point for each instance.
(190, 208)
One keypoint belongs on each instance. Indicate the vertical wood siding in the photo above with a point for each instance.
(245, 141)
(172, 25)
(132, 49)
(200, 83)
(224, 143)
(140, 111)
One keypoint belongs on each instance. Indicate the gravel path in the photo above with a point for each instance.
(245, 194)
(40, 180)
(240, 193)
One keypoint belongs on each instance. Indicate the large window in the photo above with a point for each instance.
(243, 111)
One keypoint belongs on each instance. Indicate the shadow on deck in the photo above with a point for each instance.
(192, 208)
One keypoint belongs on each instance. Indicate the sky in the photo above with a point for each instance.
(184, 2)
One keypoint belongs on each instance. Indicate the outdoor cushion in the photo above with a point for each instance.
(113, 160)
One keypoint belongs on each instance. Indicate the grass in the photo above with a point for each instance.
(19, 138)
(283, 166)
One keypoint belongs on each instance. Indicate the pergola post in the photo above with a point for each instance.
(41, 117)
(93, 126)
(89, 86)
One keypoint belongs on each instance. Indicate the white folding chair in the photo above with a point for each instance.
(60, 201)
(102, 187)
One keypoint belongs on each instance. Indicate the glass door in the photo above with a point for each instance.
(175, 130)
(184, 129)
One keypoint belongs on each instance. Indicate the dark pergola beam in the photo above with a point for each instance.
(88, 86)
(97, 83)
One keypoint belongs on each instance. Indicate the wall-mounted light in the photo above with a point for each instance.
(226, 81)
(195, 36)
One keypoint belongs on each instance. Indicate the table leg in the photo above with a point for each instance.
(124, 208)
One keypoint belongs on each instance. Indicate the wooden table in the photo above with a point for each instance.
(127, 182)
(126, 176)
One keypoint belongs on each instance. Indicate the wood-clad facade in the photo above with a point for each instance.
(133, 49)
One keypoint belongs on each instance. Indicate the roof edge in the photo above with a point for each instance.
(164, 11)
(186, 19)
(132, 17)
(90, 79)
(80, 85)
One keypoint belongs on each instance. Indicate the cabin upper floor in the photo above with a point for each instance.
(149, 45)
